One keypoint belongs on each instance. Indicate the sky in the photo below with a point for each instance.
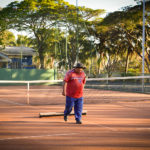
(108, 5)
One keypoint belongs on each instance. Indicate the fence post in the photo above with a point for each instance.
(28, 89)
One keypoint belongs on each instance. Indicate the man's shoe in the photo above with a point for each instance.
(78, 122)
(65, 118)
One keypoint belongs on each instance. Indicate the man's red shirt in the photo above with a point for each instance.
(75, 83)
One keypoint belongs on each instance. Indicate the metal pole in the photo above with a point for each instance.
(66, 51)
(66, 44)
(55, 50)
(21, 48)
(143, 45)
(77, 34)
(55, 39)
(28, 89)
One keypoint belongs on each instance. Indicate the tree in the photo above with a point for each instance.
(44, 18)
(23, 40)
(7, 38)
(36, 17)
(127, 26)
(77, 23)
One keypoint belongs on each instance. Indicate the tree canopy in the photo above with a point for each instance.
(44, 19)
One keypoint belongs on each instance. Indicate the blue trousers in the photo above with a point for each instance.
(78, 106)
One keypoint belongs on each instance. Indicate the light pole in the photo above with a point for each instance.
(143, 41)
(21, 49)
(143, 45)
(77, 34)
(66, 53)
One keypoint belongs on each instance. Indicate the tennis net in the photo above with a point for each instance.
(130, 84)
(49, 92)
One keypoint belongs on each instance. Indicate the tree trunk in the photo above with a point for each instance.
(41, 60)
(147, 64)
(127, 63)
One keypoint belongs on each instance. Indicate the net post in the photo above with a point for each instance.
(107, 83)
(28, 89)
(143, 84)
(123, 85)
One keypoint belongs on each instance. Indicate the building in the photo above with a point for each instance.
(17, 57)
(4, 60)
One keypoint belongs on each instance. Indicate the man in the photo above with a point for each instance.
(73, 86)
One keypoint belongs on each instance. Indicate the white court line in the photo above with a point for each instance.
(131, 107)
(28, 137)
(99, 125)
(142, 129)
(7, 101)
(31, 89)
(48, 89)
(119, 128)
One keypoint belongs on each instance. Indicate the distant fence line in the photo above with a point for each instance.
(28, 74)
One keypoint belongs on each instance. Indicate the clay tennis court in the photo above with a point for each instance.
(114, 121)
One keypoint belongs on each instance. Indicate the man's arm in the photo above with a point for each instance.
(64, 88)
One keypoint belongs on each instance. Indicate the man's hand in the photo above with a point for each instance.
(64, 93)
(64, 88)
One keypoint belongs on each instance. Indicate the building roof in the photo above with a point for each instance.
(27, 51)
(4, 58)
